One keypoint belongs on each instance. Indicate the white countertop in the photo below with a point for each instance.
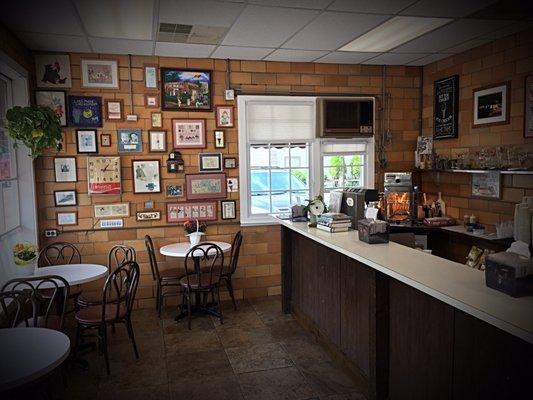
(453, 283)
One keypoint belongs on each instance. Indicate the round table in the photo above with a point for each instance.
(74, 274)
(30, 353)
(181, 249)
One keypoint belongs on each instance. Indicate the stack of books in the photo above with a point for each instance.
(334, 222)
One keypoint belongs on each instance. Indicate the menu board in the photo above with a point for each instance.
(85, 111)
(446, 108)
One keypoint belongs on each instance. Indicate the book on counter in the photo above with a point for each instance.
(334, 222)
(333, 229)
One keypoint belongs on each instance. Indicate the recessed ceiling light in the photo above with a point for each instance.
(393, 33)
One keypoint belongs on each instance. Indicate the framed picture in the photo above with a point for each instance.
(230, 162)
(149, 204)
(224, 116)
(232, 184)
(66, 218)
(486, 185)
(424, 145)
(229, 209)
(148, 215)
(117, 210)
(86, 141)
(129, 140)
(64, 198)
(105, 140)
(528, 104)
(188, 90)
(146, 176)
(104, 175)
(188, 133)
(204, 211)
(53, 71)
(157, 141)
(205, 186)
(446, 108)
(492, 105)
(220, 143)
(157, 120)
(85, 111)
(150, 101)
(210, 162)
(101, 74)
(150, 76)
(174, 190)
(56, 100)
(65, 169)
(113, 109)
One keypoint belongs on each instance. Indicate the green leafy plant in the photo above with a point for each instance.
(38, 127)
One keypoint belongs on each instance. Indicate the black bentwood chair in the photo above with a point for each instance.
(232, 266)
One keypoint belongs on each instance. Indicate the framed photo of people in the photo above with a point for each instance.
(446, 108)
(129, 140)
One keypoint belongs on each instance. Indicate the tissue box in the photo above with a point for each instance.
(364, 228)
(509, 273)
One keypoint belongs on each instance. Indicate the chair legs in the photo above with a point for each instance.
(219, 305)
(102, 344)
(132, 337)
(230, 290)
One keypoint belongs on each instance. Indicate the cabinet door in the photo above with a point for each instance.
(328, 293)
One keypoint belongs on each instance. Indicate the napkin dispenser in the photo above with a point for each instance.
(509, 273)
(354, 202)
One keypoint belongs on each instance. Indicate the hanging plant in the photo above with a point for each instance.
(38, 127)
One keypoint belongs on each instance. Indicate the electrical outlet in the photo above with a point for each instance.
(51, 233)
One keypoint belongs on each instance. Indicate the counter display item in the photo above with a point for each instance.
(373, 232)
(509, 273)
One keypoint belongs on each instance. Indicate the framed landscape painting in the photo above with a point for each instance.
(187, 90)
(56, 100)
(205, 186)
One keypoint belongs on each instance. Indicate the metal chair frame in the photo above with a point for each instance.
(234, 260)
(59, 253)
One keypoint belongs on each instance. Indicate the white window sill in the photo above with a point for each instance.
(258, 221)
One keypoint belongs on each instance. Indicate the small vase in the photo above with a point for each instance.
(195, 237)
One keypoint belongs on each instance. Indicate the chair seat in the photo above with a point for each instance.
(95, 297)
(93, 315)
(205, 281)
(75, 291)
(171, 274)
(53, 322)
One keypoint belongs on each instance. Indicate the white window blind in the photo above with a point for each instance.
(343, 147)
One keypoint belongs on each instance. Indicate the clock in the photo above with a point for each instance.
(103, 175)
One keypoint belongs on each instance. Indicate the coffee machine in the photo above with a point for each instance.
(400, 198)
(354, 202)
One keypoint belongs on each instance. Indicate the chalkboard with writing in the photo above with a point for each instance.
(446, 108)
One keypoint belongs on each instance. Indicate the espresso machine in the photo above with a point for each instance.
(354, 202)
(400, 198)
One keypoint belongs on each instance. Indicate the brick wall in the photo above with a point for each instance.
(506, 59)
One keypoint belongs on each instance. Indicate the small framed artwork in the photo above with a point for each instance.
(104, 175)
(113, 110)
(188, 133)
(146, 176)
(224, 116)
(204, 211)
(150, 101)
(53, 71)
(129, 140)
(117, 210)
(157, 141)
(528, 104)
(233, 184)
(65, 169)
(492, 105)
(219, 140)
(54, 99)
(486, 185)
(85, 111)
(210, 162)
(157, 120)
(149, 204)
(185, 90)
(105, 140)
(230, 162)
(148, 215)
(174, 190)
(205, 186)
(229, 209)
(64, 198)
(102, 74)
(150, 76)
(86, 141)
(66, 218)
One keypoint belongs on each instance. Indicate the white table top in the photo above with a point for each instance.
(181, 249)
(30, 353)
(74, 274)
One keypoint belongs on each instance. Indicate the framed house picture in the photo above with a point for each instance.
(157, 120)
(219, 140)
(105, 140)
(230, 162)
(150, 76)
(157, 141)
(146, 176)
(151, 101)
(104, 175)
(85, 111)
(65, 169)
(66, 218)
(492, 105)
(174, 190)
(188, 133)
(204, 211)
(52, 71)
(65, 198)
(117, 210)
(148, 216)
(205, 186)
(56, 100)
(528, 104)
(229, 209)
(185, 90)
(86, 142)
(446, 108)
(113, 109)
(129, 140)
(210, 162)
(224, 116)
(102, 74)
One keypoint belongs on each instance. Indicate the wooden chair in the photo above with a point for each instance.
(166, 281)
(232, 266)
(121, 287)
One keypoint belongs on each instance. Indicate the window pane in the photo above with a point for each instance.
(280, 179)
(299, 179)
(260, 203)
(259, 180)
(259, 156)
(299, 156)
(280, 200)
(279, 157)
(299, 197)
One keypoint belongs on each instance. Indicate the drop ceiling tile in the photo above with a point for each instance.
(199, 12)
(429, 59)
(448, 8)
(346, 57)
(313, 4)
(122, 46)
(332, 30)
(241, 53)
(266, 26)
(469, 44)
(508, 30)
(59, 43)
(394, 59)
(295, 55)
(372, 6)
(183, 50)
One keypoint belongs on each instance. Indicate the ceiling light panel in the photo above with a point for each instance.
(373, 6)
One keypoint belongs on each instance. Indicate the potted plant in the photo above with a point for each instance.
(38, 127)
(194, 230)
(25, 254)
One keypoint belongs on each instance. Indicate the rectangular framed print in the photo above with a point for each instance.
(104, 175)
(65, 169)
(148, 216)
(188, 133)
(117, 210)
(52, 71)
(113, 109)
(205, 186)
(150, 76)
(157, 120)
(85, 111)
(528, 104)
(210, 162)
(185, 90)
(150, 101)
(56, 100)
(487, 185)
(446, 108)
(492, 105)
(129, 140)
(229, 209)
(146, 176)
(102, 74)
(157, 141)
(220, 143)
(105, 140)
(174, 190)
(204, 211)
(224, 116)
(230, 162)
(65, 198)
(66, 218)
(233, 185)
(86, 141)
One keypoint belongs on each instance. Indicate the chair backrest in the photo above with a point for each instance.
(119, 290)
(13, 304)
(212, 256)
(235, 250)
(151, 255)
(59, 253)
(43, 293)
(118, 255)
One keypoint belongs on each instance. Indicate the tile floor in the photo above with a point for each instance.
(257, 354)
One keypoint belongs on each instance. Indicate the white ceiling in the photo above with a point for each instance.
(277, 30)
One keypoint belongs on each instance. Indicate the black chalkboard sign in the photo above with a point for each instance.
(446, 108)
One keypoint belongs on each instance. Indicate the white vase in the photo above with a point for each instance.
(195, 237)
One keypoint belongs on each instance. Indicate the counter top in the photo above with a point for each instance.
(453, 283)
